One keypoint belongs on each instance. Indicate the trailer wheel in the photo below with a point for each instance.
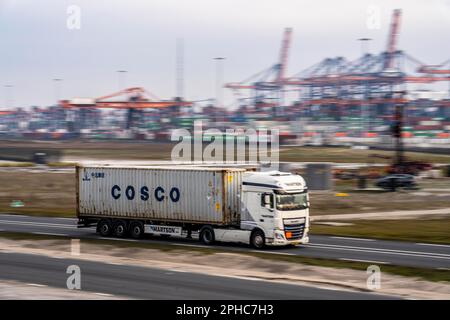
(120, 229)
(136, 230)
(257, 239)
(104, 228)
(207, 235)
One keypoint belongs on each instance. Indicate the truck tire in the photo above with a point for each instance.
(120, 229)
(257, 239)
(104, 228)
(207, 235)
(136, 229)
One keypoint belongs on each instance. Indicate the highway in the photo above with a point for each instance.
(371, 251)
(150, 283)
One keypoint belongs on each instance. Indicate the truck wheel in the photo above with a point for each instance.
(257, 239)
(136, 230)
(207, 235)
(104, 228)
(120, 229)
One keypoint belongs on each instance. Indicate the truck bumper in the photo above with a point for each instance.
(284, 242)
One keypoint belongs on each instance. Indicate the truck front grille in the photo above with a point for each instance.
(294, 231)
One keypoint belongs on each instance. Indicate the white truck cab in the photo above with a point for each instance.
(278, 204)
(275, 211)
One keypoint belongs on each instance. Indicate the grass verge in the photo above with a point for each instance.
(418, 230)
(16, 164)
(61, 164)
(422, 273)
(329, 154)
(38, 212)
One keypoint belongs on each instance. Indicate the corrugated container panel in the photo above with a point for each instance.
(183, 194)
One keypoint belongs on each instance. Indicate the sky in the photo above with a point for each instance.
(41, 41)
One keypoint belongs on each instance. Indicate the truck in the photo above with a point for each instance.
(217, 204)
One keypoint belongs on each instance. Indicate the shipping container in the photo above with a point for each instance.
(191, 195)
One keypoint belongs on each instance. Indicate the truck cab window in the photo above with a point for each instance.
(267, 200)
(292, 201)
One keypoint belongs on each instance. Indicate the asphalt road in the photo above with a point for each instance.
(352, 249)
(150, 283)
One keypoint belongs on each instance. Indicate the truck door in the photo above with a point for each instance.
(267, 209)
(260, 211)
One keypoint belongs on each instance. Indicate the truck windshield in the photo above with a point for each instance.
(293, 201)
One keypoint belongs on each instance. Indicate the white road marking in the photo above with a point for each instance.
(38, 224)
(433, 245)
(75, 247)
(36, 285)
(103, 294)
(175, 271)
(350, 238)
(50, 234)
(273, 252)
(366, 261)
(383, 251)
(192, 245)
(118, 239)
(392, 253)
(318, 245)
(328, 288)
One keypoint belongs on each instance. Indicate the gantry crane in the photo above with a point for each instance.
(135, 100)
(267, 85)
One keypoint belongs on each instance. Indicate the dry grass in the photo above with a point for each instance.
(109, 246)
(48, 194)
(419, 230)
(16, 164)
(147, 150)
(374, 201)
(346, 155)
(43, 193)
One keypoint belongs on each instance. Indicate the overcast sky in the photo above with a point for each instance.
(140, 37)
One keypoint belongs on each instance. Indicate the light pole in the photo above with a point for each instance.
(364, 51)
(364, 44)
(219, 81)
(8, 95)
(57, 82)
(179, 68)
(121, 79)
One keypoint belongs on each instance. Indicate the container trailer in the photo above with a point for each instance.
(220, 204)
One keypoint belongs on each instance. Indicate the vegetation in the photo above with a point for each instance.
(422, 273)
(427, 230)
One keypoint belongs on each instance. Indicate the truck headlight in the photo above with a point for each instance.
(279, 235)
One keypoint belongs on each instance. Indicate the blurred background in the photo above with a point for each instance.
(359, 91)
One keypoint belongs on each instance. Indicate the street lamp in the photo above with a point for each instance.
(8, 94)
(364, 44)
(364, 51)
(57, 88)
(121, 78)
